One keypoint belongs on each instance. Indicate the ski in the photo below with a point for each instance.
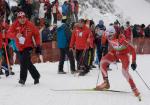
(92, 89)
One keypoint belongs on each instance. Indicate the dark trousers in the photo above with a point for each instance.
(55, 18)
(26, 64)
(63, 53)
(76, 17)
(101, 51)
(82, 57)
(91, 55)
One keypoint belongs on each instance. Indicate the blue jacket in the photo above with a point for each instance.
(63, 36)
(64, 9)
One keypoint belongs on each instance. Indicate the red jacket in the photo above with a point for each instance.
(128, 33)
(122, 47)
(28, 31)
(79, 38)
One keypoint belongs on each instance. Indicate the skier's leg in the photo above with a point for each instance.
(105, 61)
(125, 70)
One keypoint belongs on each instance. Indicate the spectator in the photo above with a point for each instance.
(80, 41)
(63, 41)
(76, 10)
(46, 33)
(101, 43)
(22, 30)
(55, 11)
(147, 31)
(48, 13)
(128, 32)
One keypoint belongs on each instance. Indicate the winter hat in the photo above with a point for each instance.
(101, 22)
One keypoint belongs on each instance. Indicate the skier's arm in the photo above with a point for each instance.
(131, 49)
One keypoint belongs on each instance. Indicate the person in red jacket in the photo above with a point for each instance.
(22, 31)
(121, 50)
(128, 32)
(80, 41)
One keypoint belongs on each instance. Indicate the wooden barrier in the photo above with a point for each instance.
(51, 53)
(142, 45)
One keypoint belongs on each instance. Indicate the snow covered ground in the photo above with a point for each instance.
(11, 93)
(135, 10)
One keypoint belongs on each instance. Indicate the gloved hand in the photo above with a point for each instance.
(133, 66)
(38, 50)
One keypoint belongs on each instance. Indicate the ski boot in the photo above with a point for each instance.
(104, 86)
(136, 93)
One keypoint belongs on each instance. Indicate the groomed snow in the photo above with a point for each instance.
(135, 10)
(11, 93)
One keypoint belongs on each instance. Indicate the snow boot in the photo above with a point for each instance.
(1, 72)
(22, 82)
(6, 73)
(36, 81)
(61, 72)
(83, 73)
(12, 73)
(105, 85)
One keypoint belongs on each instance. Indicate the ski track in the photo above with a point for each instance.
(11, 93)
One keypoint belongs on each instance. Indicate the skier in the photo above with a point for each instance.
(22, 30)
(121, 49)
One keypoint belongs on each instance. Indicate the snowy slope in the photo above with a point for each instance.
(11, 93)
(136, 10)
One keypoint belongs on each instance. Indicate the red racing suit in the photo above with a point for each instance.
(121, 50)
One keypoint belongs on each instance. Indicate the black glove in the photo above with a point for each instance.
(133, 66)
(38, 50)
